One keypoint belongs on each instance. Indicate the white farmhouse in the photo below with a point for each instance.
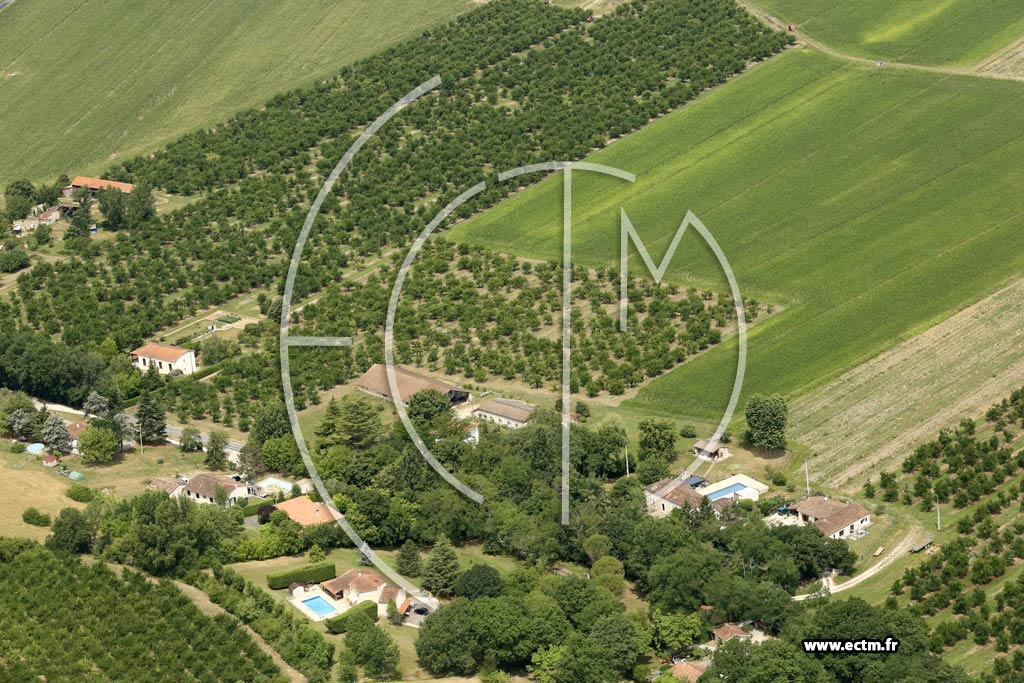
(360, 585)
(165, 358)
(202, 488)
(505, 412)
(835, 519)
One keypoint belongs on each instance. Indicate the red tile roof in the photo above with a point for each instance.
(360, 580)
(164, 352)
(727, 632)
(75, 429)
(388, 594)
(305, 511)
(686, 671)
(100, 184)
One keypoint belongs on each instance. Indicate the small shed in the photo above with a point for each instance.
(695, 481)
(35, 448)
(76, 476)
(51, 461)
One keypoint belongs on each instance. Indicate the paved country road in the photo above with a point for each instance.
(173, 431)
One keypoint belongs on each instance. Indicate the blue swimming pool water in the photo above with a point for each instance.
(727, 491)
(319, 606)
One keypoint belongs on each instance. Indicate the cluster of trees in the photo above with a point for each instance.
(13, 258)
(289, 633)
(162, 536)
(98, 443)
(369, 646)
(471, 312)
(766, 421)
(281, 536)
(591, 83)
(21, 195)
(54, 371)
(70, 622)
(564, 629)
(851, 619)
(959, 465)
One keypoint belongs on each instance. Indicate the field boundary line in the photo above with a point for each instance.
(802, 38)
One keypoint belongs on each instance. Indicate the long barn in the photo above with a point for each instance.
(375, 382)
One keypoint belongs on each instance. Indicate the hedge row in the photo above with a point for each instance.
(251, 509)
(339, 624)
(315, 572)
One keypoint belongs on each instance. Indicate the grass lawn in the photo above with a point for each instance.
(835, 189)
(83, 83)
(29, 484)
(948, 32)
(348, 558)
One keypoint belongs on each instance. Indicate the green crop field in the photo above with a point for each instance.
(948, 32)
(83, 83)
(873, 203)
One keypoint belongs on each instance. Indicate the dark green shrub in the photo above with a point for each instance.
(80, 493)
(340, 623)
(315, 572)
(35, 517)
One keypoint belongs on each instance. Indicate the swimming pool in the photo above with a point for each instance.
(727, 491)
(319, 606)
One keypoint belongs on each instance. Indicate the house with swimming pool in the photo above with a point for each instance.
(335, 596)
(687, 491)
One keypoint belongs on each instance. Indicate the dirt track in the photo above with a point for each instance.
(873, 416)
(1013, 73)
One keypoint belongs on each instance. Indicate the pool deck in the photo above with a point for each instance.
(296, 599)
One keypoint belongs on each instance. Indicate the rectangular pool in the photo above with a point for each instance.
(320, 607)
(727, 491)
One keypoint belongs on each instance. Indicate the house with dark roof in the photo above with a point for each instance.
(375, 383)
(836, 519)
(167, 359)
(506, 412)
